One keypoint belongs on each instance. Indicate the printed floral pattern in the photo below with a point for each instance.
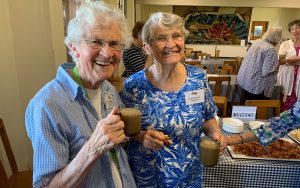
(278, 127)
(176, 165)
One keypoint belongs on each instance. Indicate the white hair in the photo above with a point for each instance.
(273, 35)
(95, 15)
(164, 21)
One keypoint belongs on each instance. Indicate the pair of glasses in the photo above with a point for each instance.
(100, 43)
(164, 39)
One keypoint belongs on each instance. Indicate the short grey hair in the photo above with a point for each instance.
(164, 21)
(273, 35)
(94, 15)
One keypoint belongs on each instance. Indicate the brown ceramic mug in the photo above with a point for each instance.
(209, 151)
(131, 116)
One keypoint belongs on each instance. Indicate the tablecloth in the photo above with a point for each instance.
(251, 173)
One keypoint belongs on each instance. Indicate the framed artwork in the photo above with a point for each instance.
(215, 25)
(258, 28)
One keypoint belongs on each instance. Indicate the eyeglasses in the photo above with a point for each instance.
(100, 43)
(164, 39)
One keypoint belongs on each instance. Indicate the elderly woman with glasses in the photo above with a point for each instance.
(177, 107)
(72, 122)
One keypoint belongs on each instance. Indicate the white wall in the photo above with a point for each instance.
(31, 48)
(275, 17)
(147, 10)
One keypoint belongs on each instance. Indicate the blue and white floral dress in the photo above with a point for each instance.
(180, 115)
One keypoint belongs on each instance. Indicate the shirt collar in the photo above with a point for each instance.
(67, 82)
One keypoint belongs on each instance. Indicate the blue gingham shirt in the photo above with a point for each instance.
(59, 121)
(257, 72)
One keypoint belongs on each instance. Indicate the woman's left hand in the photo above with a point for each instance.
(223, 142)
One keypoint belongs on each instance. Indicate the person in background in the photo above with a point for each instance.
(257, 74)
(176, 103)
(276, 127)
(72, 121)
(288, 75)
(135, 57)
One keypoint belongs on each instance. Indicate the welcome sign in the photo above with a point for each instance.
(244, 113)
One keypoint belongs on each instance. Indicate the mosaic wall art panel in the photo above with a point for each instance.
(215, 25)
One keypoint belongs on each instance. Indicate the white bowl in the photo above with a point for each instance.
(255, 124)
(233, 125)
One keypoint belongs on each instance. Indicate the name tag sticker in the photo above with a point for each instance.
(194, 97)
(109, 100)
(244, 113)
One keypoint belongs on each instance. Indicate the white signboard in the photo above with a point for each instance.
(244, 113)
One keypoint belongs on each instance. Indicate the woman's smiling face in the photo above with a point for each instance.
(166, 45)
(98, 64)
(295, 31)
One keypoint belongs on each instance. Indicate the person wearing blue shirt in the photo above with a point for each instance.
(73, 122)
(176, 103)
(257, 74)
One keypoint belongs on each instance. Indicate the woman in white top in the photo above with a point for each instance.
(289, 69)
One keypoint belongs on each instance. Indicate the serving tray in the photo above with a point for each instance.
(235, 155)
(294, 139)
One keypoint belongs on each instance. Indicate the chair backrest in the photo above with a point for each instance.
(3, 177)
(187, 53)
(239, 60)
(217, 87)
(202, 55)
(194, 63)
(233, 64)
(263, 106)
(224, 69)
(9, 154)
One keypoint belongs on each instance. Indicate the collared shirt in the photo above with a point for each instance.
(278, 127)
(180, 115)
(60, 120)
(257, 72)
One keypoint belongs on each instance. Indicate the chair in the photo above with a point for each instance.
(18, 178)
(204, 67)
(202, 55)
(194, 63)
(239, 60)
(224, 69)
(217, 89)
(263, 106)
(233, 64)
(188, 53)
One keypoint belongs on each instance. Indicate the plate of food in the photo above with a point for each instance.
(283, 149)
(295, 135)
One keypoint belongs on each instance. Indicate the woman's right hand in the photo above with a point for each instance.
(151, 139)
(109, 132)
